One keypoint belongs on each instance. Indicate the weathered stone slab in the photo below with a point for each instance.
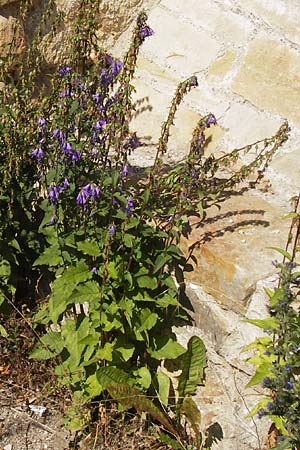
(12, 38)
(152, 106)
(270, 78)
(231, 248)
(282, 15)
(221, 66)
(227, 26)
(248, 125)
(183, 56)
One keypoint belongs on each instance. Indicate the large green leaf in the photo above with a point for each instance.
(63, 288)
(51, 257)
(271, 323)
(166, 348)
(50, 345)
(119, 386)
(192, 363)
(145, 281)
(163, 382)
(89, 248)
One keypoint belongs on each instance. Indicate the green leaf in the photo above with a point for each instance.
(74, 107)
(64, 286)
(50, 345)
(92, 387)
(271, 323)
(163, 387)
(147, 319)
(167, 300)
(147, 282)
(143, 377)
(89, 248)
(160, 261)
(171, 442)
(3, 332)
(262, 371)
(282, 252)
(51, 257)
(4, 269)
(166, 348)
(131, 397)
(128, 240)
(109, 375)
(192, 363)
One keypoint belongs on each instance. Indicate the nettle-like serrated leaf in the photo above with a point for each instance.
(89, 248)
(164, 383)
(5, 269)
(166, 348)
(192, 363)
(64, 286)
(193, 415)
(261, 343)
(167, 300)
(51, 257)
(109, 375)
(50, 345)
(86, 292)
(73, 335)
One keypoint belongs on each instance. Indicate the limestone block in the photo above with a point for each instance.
(12, 38)
(223, 400)
(177, 45)
(221, 66)
(231, 248)
(283, 15)
(112, 18)
(285, 174)
(247, 125)
(227, 26)
(270, 78)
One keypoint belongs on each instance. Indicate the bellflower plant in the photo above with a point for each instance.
(104, 239)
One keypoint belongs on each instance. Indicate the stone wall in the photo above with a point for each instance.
(113, 18)
(246, 55)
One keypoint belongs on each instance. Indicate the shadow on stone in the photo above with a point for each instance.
(214, 434)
